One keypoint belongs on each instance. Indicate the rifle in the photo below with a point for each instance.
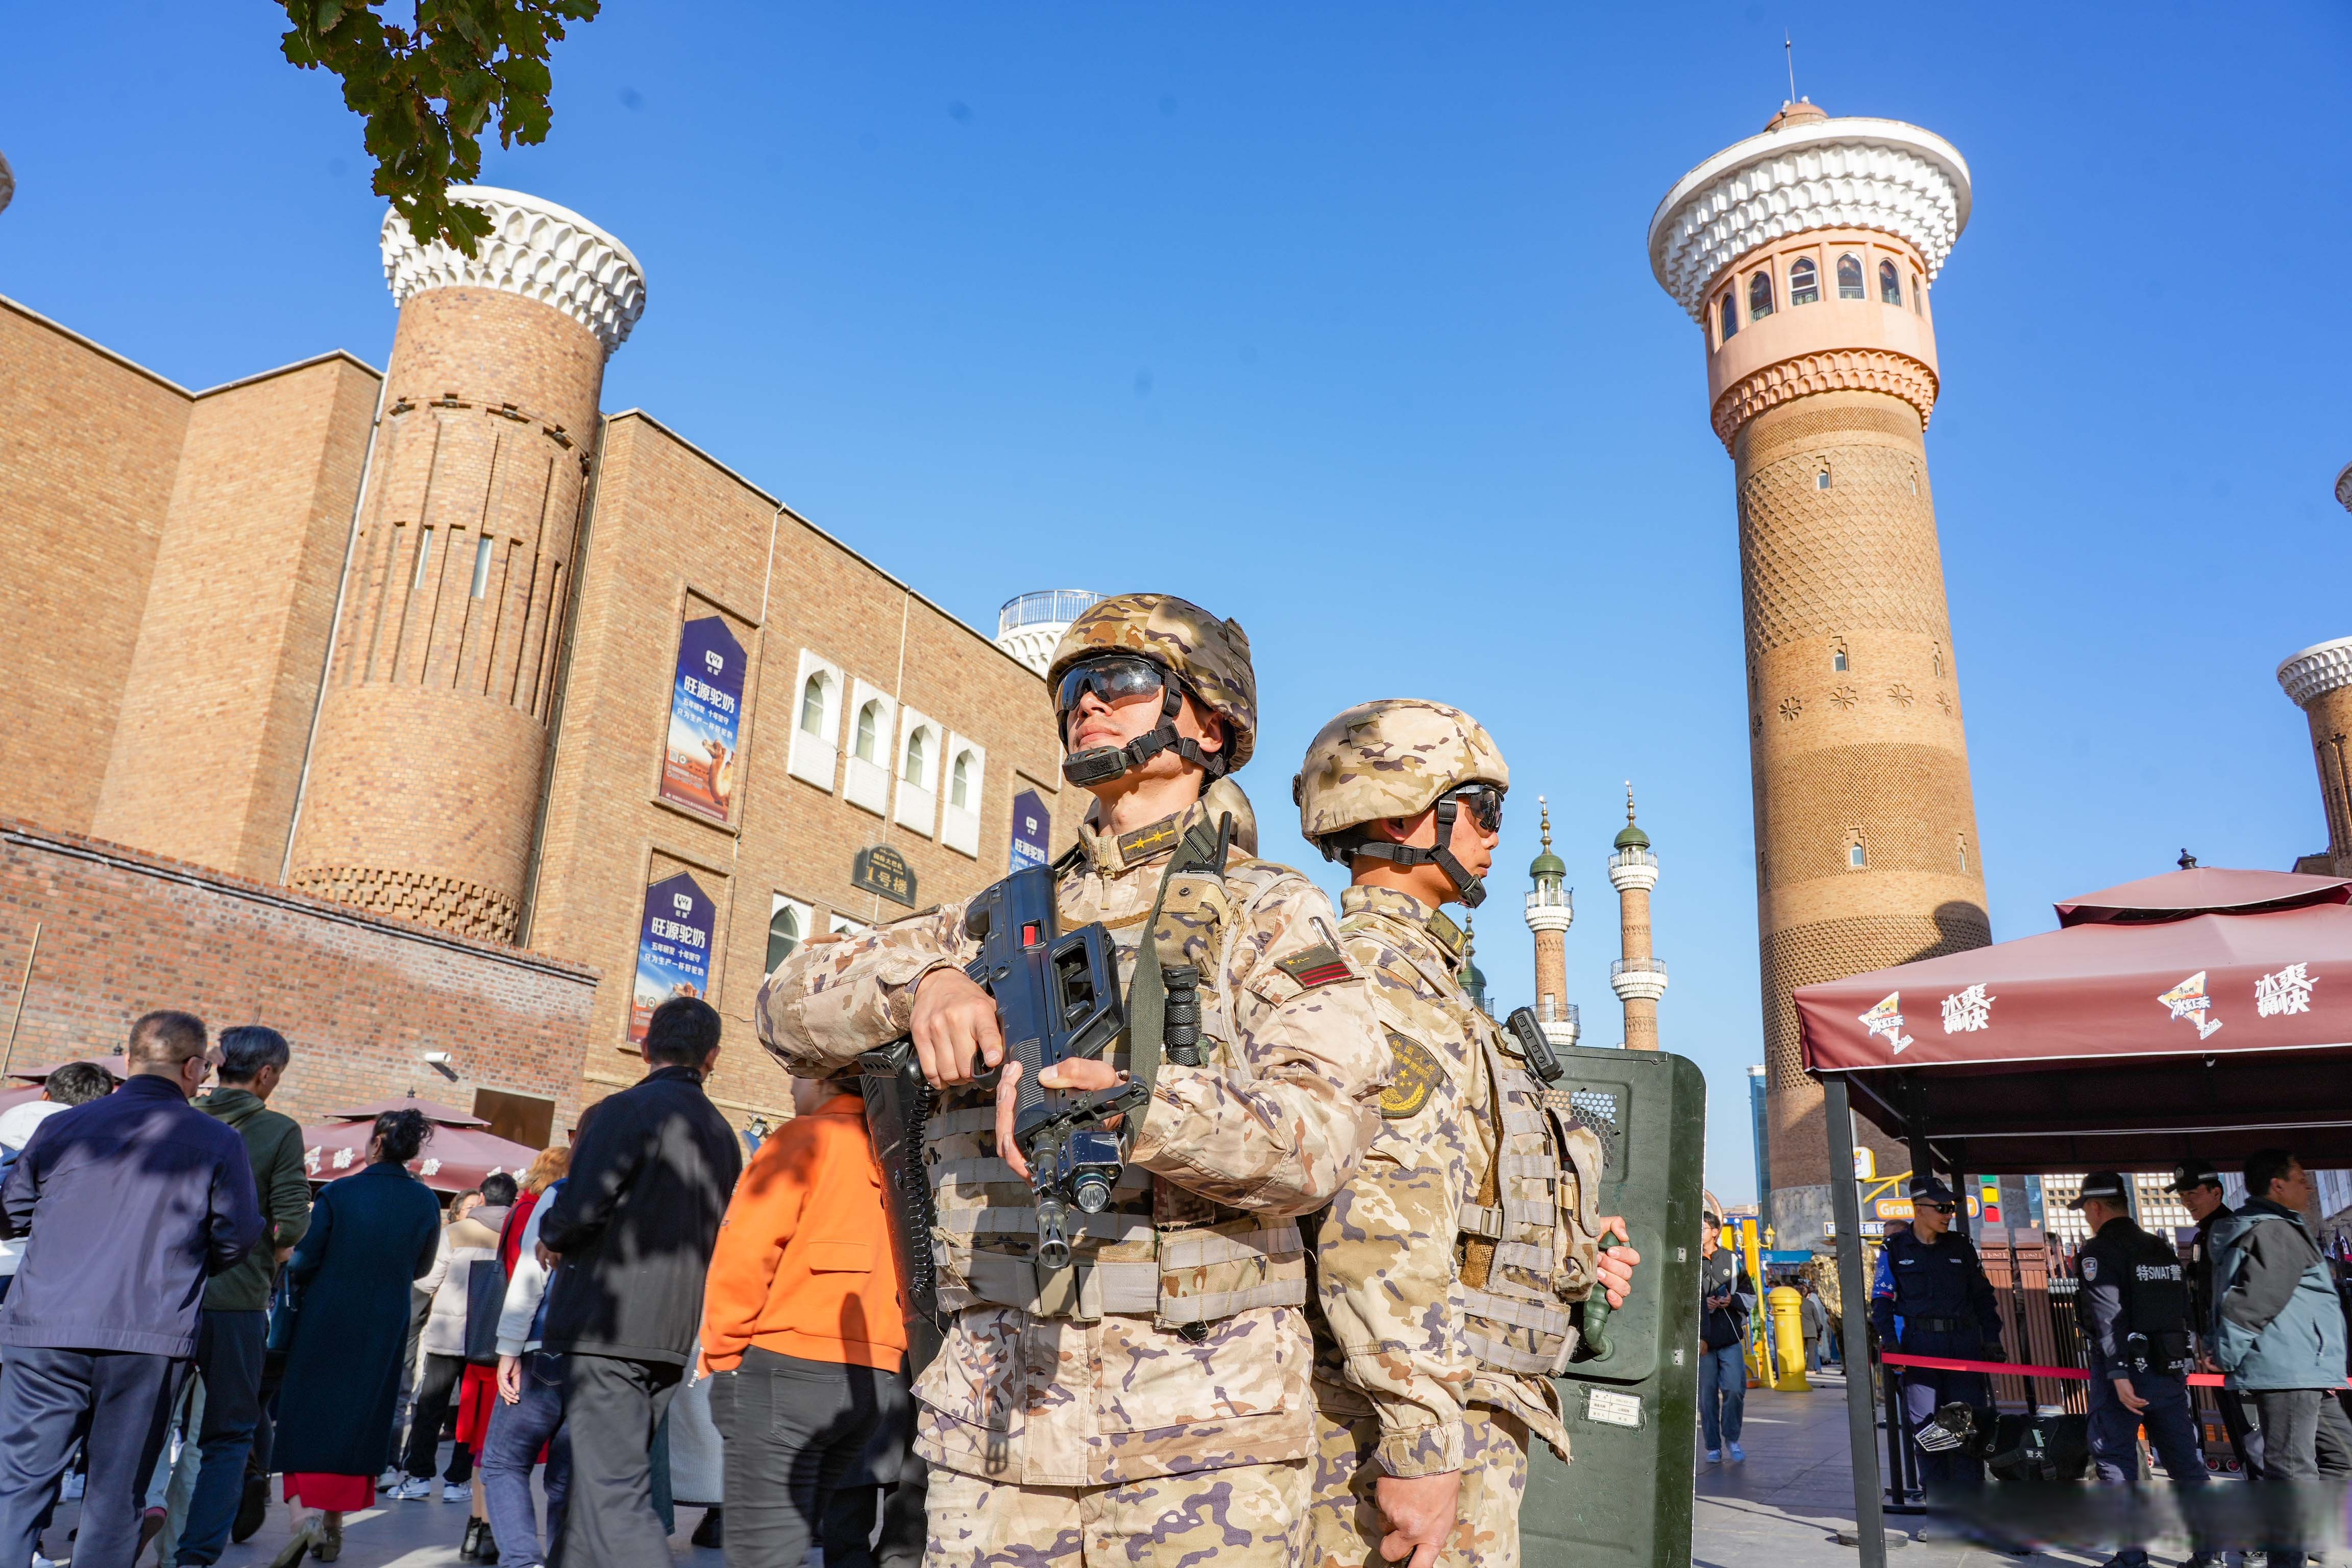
(1057, 998)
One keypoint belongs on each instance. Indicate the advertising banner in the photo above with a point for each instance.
(706, 718)
(673, 949)
(1033, 830)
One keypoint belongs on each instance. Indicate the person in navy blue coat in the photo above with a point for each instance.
(1931, 1297)
(130, 1203)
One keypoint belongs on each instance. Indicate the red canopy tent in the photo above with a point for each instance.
(455, 1160)
(2204, 1012)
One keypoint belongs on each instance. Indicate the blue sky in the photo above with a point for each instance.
(1337, 318)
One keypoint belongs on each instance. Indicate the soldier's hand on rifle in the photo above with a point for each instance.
(1081, 1073)
(1617, 1263)
(956, 1033)
(1419, 1512)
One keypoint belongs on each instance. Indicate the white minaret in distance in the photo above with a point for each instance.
(1638, 978)
(1551, 909)
(1031, 624)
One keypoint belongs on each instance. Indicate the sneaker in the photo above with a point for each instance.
(456, 1491)
(416, 1489)
(1714, 1456)
(41, 1562)
(1739, 1454)
(390, 1478)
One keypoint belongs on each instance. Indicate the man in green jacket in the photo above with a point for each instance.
(235, 1321)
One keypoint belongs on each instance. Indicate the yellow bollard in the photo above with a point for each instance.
(1787, 1315)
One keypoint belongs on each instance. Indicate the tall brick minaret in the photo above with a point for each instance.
(1551, 909)
(2319, 682)
(1637, 976)
(1805, 254)
(422, 789)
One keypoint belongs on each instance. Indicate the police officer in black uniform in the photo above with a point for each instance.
(1931, 1297)
(2132, 1302)
(2199, 1186)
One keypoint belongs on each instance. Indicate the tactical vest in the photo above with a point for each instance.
(1158, 1250)
(1528, 1245)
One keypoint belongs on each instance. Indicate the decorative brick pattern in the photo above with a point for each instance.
(1839, 370)
(438, 901)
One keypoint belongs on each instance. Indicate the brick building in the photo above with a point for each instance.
(433, 710)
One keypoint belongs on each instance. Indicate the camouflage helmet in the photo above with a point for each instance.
(1394, 758)
(1212, 656)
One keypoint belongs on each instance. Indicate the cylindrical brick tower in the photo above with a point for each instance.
(424, 780)
(1551, 909)
(1637, 976)
(1805, 255)
(2319, 682)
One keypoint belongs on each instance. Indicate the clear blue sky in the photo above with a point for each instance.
(1336, 319)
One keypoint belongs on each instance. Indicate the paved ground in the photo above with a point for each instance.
(1779, 1510)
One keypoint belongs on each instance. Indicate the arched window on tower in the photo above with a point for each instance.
(1822, 480)
(1918, 291)
(1760, 296)
(1804, 283)
(1890, 284)
(1850, 277)
(869, 719)
(960, 782)
(1838, 661)
(1731, 313)
(1855, 856)
(916, 762)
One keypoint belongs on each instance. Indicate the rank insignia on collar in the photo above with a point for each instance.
(1414, 1075)
(1145, 842)
(1319, 966)
(1445, 931)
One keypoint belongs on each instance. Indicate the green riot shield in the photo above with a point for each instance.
(1625, 1501)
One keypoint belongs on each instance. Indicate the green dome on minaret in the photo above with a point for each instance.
(1631, 835)
(1547, 866)
(1473, 979)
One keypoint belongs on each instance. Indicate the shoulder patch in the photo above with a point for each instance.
(2090, 1267)
(1145, 842)
(1319, 966)
(1414, 1074)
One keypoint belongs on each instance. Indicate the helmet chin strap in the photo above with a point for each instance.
(1471, 890)
(1100, 765)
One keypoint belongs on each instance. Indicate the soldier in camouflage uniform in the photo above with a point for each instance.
(1149, 1405)
(1446, 1265)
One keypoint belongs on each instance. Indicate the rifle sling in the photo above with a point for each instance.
(1147, 996)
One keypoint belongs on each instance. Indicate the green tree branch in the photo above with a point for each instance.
(426, 92)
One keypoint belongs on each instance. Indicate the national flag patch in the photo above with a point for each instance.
(1319, 966)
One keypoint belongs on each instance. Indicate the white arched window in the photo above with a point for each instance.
(1804, 283)
(870, 721)
(815, 757)
(875, 749)
(918, 755)
(786, 927)
(967, 781)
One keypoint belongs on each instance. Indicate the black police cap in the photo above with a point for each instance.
(2190, 1175)
(1928, 1189)
(2105, 1185)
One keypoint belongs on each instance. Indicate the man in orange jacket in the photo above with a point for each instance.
(804, 1330)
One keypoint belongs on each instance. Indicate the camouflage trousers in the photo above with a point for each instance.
(1343, 1523)
(1245, 1516)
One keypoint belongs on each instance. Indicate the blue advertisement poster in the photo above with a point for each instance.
(706, 716)
(1033, 830)
(673, 949)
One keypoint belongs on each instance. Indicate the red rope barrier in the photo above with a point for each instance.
(2026, 1369)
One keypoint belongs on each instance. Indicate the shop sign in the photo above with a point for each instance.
(879, 868)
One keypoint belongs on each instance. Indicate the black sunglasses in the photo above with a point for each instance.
(1484, 801)
(1120, 677)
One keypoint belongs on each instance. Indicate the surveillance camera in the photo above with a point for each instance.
(439, 1059)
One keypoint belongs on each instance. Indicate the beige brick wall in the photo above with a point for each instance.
(1872, 755)
(217, 707)
(88, 446)
(670, 523)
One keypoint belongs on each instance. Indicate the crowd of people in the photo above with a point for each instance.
(171, 1272)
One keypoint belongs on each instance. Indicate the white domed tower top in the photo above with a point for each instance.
(535, 248)
(1807, 170)
(1030, 625)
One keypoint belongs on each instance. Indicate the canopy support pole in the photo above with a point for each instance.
(1853, 1293)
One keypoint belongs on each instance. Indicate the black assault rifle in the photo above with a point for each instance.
(1058, 997)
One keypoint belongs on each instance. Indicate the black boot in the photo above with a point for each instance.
(469, 1552)
(251, 1510)
(711, 1531)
